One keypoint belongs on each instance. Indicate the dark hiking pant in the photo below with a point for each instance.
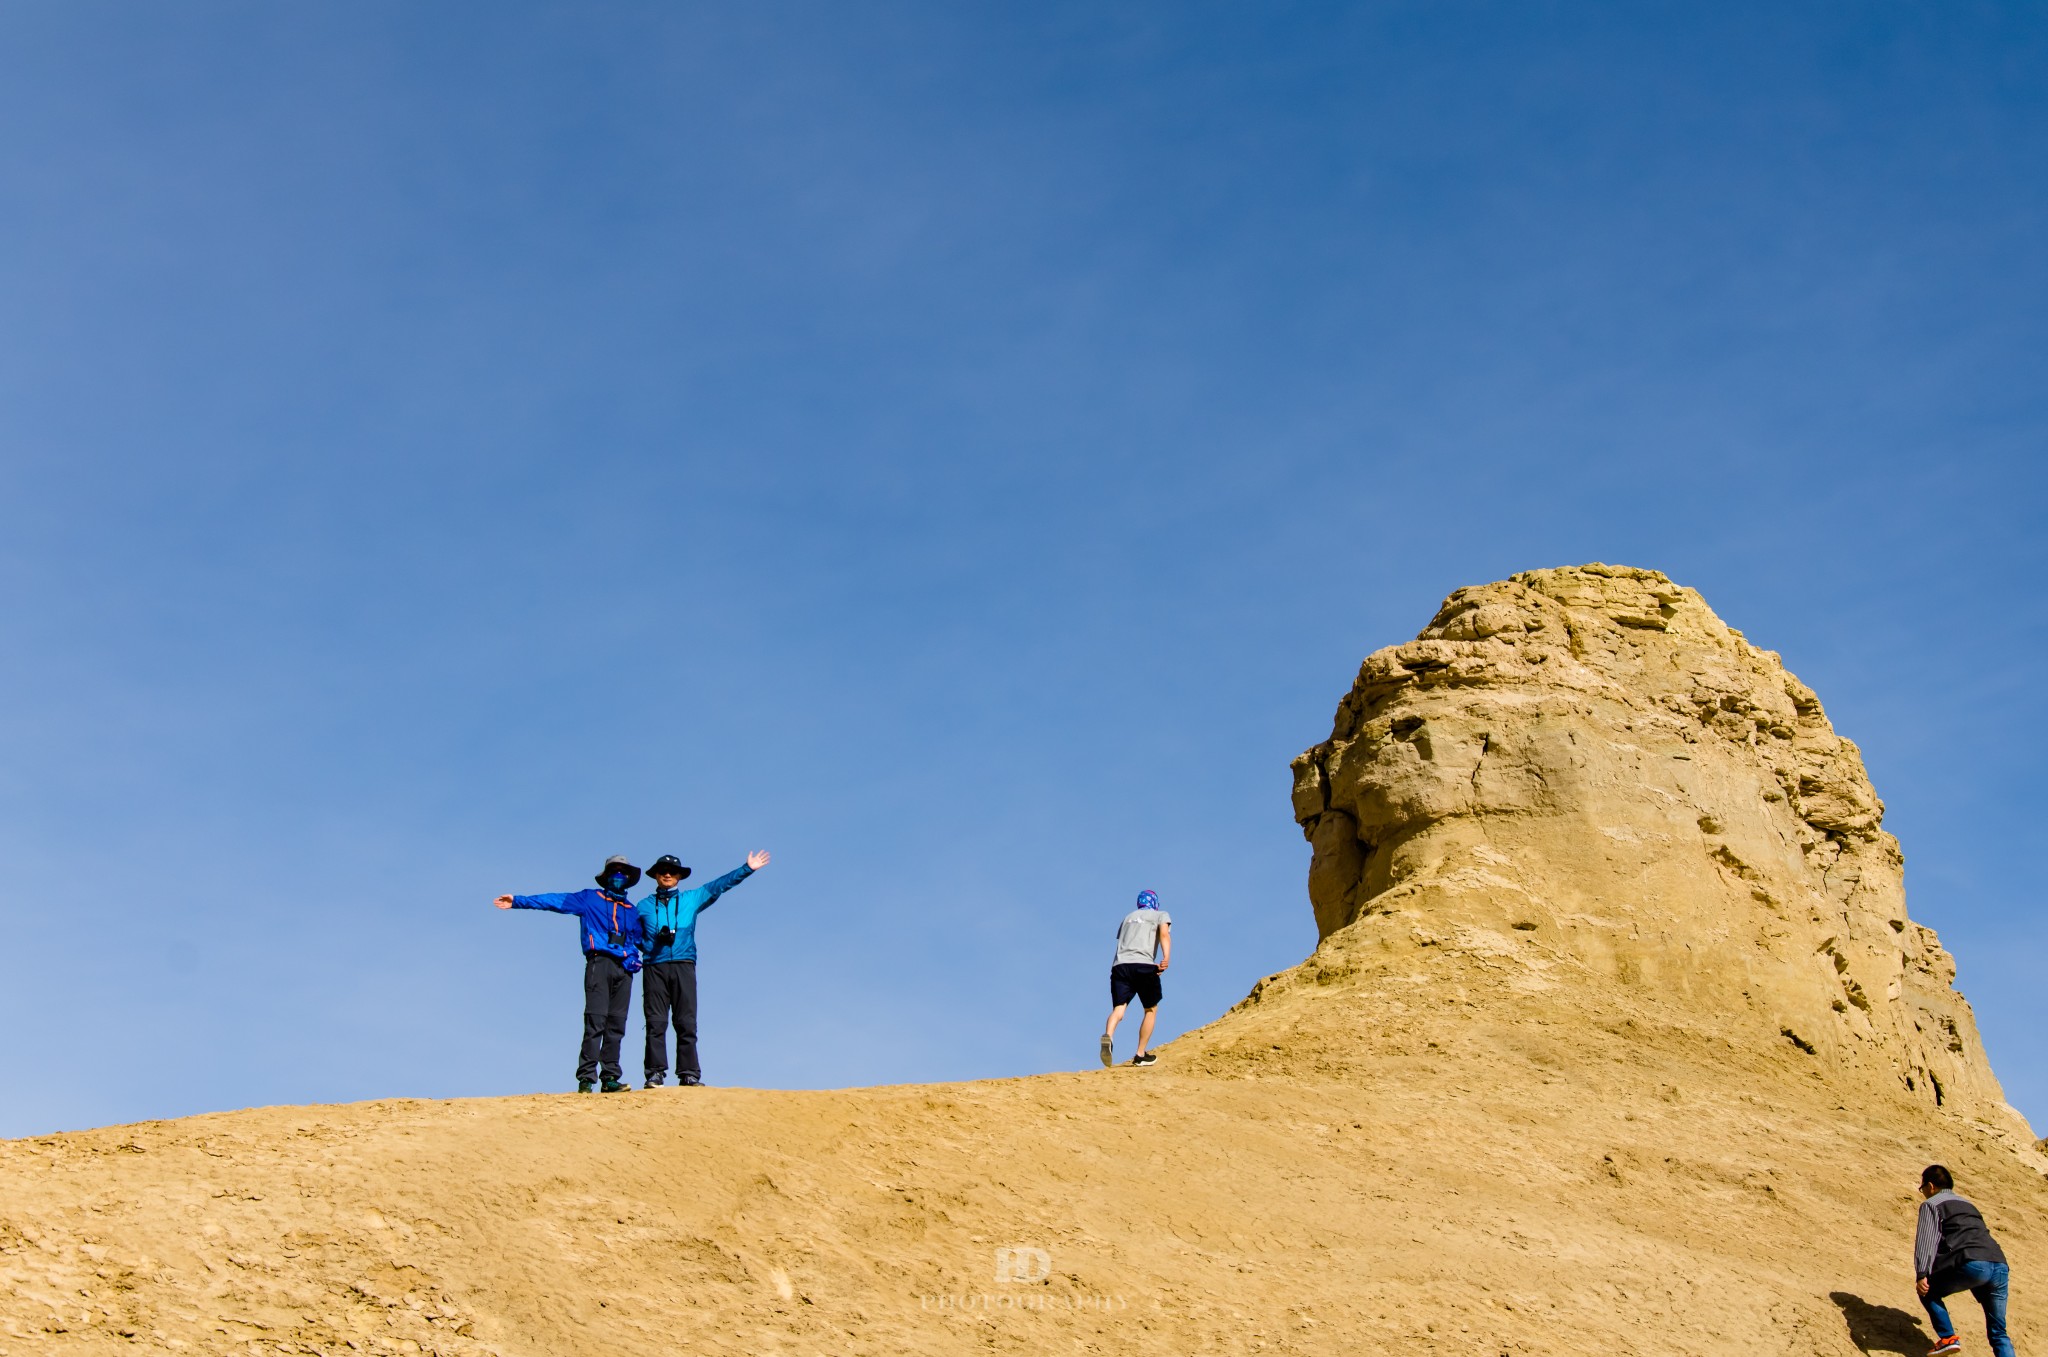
(607, 993)
(671, 992)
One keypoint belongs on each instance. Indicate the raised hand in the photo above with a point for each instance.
(758, 859)
(503, 902)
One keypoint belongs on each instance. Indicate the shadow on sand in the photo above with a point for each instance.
(1880, 1328)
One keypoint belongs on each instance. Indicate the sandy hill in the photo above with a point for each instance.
(1618, 1039)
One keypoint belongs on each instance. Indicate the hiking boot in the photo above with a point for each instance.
(584, 1086)
(1108, 1053)
(1144, 1058)
(1952, 1343)
(611, 1086)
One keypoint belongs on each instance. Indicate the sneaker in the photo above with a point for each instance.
(1952, 1343)
(584, 1086)
(612, 1086)
(1144, 1058)
(654, 1083)
(689, 1081)
(1108, 1053)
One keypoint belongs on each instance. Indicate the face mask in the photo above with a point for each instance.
(617, 881)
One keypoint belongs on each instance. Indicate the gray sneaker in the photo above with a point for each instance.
(1108, 1053)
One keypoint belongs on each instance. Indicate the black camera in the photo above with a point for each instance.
(666, 936)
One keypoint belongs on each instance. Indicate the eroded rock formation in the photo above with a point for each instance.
(1589, 759)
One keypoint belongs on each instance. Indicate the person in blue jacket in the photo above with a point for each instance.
(611, 957)
(668, 931)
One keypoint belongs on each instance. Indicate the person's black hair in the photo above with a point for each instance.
(1937, 1177)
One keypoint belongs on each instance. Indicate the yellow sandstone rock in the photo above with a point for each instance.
(1590, 759)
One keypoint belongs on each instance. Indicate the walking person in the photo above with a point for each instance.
(668, 931)
(611, 956)
(1144, 947)
(1953, 1251)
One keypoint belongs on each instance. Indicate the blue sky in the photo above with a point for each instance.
(965, 450)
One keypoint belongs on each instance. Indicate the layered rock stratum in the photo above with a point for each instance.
(1618, 1037)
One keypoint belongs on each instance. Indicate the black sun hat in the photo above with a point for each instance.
(616, 861)
(669, 862)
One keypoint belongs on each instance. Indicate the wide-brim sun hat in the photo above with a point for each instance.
(616, 861)
(671, 864)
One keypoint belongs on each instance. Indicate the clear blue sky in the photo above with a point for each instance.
(965, 450)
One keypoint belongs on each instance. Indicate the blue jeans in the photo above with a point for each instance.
(1985, 1281)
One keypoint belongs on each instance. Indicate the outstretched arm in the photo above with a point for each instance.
(756, 860)
(552, 903)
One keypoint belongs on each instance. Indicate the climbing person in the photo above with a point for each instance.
(1953, 1251)
(1144, 934)
(668, 932)
(611, 956)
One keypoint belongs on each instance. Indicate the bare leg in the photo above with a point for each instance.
(1108, 1051)
(1145, 1029)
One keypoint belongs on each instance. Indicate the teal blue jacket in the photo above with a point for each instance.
(679, 910)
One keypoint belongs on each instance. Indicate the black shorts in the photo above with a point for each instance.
(1134, 978)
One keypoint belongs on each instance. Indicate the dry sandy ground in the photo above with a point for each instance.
(1413, 1157)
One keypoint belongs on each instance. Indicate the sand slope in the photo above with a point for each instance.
(1618, 1039)
(1428, 1161)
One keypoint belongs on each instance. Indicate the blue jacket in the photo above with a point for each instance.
(610, 924)
(679, 911)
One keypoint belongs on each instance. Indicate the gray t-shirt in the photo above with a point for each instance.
(1137, 938)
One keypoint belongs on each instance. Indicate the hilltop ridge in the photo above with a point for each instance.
(1618, 1034)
